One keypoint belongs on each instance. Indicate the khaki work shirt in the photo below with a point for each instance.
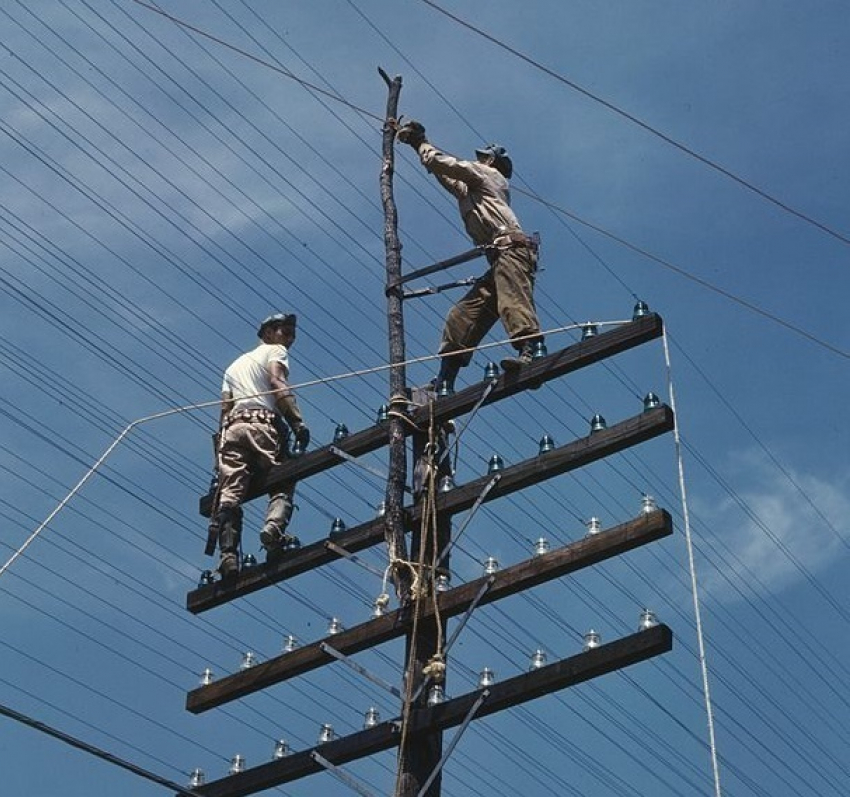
(482, 192)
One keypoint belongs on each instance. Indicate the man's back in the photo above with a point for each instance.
(248, 375)
(483, 194)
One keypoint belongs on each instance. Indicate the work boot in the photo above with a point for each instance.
(228, 567)
(270, 538)
(278, 515)
(229, 520)
(445, 382)
(273, 539)
(524, 357)
(285, 543)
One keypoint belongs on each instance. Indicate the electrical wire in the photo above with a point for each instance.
(262, 62)
(97, 752)
(643, 125)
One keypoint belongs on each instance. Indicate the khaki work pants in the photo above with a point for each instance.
(247, 449)
(505, 292)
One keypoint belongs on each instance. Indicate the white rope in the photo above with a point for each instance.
(694, 590)
(91, 471)
(217, 402)
(472, 349)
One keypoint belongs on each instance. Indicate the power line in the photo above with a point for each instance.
(97, 752)
(640, 123)
(687, 275)
(554, 518)
(274, 67)
(529, 192)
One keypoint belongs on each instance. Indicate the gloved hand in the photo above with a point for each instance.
(412, 133)
(302, 436)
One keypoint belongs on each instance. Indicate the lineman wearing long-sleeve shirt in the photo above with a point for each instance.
(506, 291)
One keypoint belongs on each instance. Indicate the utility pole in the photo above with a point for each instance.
(415, 761)
(424, 610)
(394, 517)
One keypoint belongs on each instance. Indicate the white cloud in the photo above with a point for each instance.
(786, 526)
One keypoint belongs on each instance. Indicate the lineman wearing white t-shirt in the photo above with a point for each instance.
(255, 397)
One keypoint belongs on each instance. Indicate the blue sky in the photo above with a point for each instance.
(161, 191)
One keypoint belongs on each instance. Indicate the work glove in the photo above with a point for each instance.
(412, 133)
(302, 436)
(288, 407)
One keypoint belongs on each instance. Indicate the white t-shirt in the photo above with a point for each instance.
(248, 375)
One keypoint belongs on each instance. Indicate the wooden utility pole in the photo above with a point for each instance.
(416, 761)
(423, 611)
(394, 517)
(426, 722)
(431, 534)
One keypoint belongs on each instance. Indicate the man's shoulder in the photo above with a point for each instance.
(271, 351)
(262, 354)
(493, 175)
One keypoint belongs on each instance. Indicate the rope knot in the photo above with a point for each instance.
(435, 669)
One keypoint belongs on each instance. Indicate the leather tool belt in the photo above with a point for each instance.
(249, 416)
(514, 238)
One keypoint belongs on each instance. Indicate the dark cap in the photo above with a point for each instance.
(287, 319)
(501, 159)
(494, 150)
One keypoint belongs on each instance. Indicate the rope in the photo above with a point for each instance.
(435, 669)
(408, 694)
(397, 562)
(217, 403)
(692, 567)
(433, 470)
(90, 472)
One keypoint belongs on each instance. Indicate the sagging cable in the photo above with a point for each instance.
(689, 545)
(95, 751)
(217, 403)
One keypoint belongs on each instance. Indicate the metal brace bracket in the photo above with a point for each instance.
(464, 257)
(354, 461)
(326, 648)
(336, 771)
(473, 509)
(446, 286)
(463, 621)
(473, 710)
(352, 557)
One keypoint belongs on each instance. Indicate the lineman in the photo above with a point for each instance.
(506, 290)
(256, 401)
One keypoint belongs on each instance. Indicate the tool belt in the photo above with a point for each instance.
(256, 415)
(513, 238)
